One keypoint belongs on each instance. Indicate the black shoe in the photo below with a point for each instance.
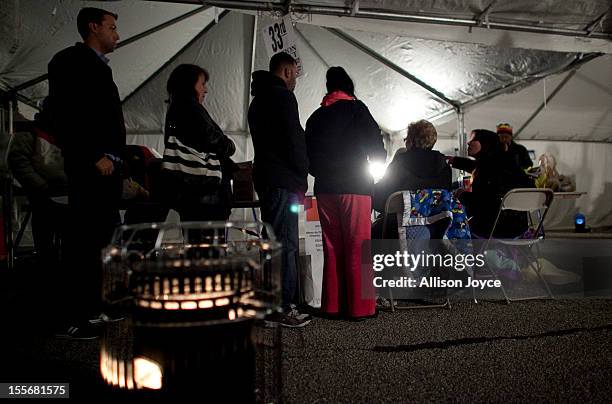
(82, 332)
(293, 319)
(105, 318)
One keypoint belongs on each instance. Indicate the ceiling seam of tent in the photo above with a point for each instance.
(370, 52)
(10, 94)
(311, 47)
(584, 58)
(592, 26)
(579, 61)
(125, 42)
(166, 24)
(247, 95)
(175, 56)
(397, 16)
(567, 78)
(484, 16)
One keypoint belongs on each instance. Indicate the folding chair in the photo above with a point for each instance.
(532, 201)
(436, 228)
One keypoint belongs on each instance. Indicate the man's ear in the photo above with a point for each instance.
(286, 72)
(93, 27)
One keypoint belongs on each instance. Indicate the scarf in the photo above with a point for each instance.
(334, 96)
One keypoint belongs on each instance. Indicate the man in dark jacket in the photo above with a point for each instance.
(88, 122)
(280, 168)
(519, 153)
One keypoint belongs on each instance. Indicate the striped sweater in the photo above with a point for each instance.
(194, 143)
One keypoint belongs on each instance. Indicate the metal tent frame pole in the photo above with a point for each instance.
(522, 83)
(370, 52)
(247, 94)
(175, 56)
(461, 135)
(590, 29)
(375, 13)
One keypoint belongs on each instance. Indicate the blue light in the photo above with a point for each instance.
(580, 223)
(294, 208)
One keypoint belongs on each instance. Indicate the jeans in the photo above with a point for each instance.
(277, 210)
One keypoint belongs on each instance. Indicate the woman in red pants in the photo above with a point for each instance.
(341, 137)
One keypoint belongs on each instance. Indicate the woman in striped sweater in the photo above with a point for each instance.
(195, 150)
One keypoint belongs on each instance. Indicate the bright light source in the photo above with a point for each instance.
(294, 208)
(377, 170)
(147, 374)
(580, 223)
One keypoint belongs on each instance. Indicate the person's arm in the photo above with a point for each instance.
(198, 130)
(463, 163)
(372, 139)
(296, 139)
(220, 144)
(524, 159)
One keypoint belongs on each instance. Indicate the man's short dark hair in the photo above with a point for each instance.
(88, 15)
(280, 60)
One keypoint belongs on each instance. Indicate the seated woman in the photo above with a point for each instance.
(494, 173)
(415, 168)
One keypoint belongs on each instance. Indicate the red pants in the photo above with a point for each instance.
(347, 284)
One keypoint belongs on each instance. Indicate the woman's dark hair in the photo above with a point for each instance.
(338, 79)
(182, 81)
(489, 143)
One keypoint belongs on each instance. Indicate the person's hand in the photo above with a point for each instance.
(105, 166)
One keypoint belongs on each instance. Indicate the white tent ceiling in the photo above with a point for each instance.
(461, 70)
(499, 60)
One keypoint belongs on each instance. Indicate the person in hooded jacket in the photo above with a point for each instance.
(341, 136)
(280, 169)
(494, 173)
(415, 168)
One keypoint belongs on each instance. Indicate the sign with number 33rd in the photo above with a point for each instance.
(280, 37)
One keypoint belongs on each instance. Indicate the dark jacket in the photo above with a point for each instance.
(412, 170)
(85, 108)
(37, 164)
(494, 176)
(195, 149)
(339, 139)
(278, 138)
(520, 155)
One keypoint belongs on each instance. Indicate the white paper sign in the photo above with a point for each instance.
(280, 37)
(313, 245)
